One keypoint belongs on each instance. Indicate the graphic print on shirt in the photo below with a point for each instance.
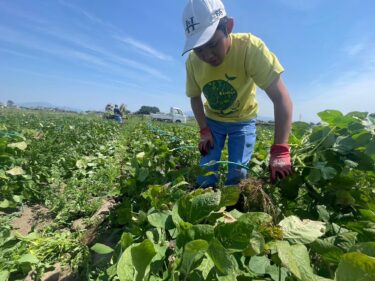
(221, 95)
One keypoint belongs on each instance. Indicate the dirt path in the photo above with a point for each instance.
(31, 217)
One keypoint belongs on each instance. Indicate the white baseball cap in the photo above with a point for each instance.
(200, 20)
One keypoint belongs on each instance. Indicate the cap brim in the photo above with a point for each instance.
(200, 38)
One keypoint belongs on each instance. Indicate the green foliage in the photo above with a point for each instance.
(134, 263)
(301, 232)
(101, 249)
(147, 109)
(356, 266)
(323, 228)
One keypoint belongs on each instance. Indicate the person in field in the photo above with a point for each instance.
(226, 67)
(117, 113)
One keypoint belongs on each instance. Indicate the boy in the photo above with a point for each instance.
(226, 68)
(117, 113)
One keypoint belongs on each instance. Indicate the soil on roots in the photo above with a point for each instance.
(253, 198)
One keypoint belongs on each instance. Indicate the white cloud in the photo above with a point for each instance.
(65, 78)
(143, 48)
(81, 42)
(355, 49)
(79, 48)
(349, 85)
(16, 53)
(101, 59)
(91, 17)
(353, 94)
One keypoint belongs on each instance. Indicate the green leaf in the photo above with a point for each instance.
(367, 248)
(17, 198)
(275, 271)
(296, 259)
(328, 173)
(134, 263)
(300, 128)
(177, 220)
(236, 236)
(158, 260)
(143, 174)
(323, 213)
(356, 266)
(259, 264)
(4, 275)
(196, 232)
(230, 195)
(126, 240)
(322, 133)
(362, 139)
(314, 176)
(101, 249)
(161, 220)
(350, 164)
(81, 164)
(3, 176)
(344, 144)
(140, 155)
(326, 248)
(194, 207)
(346, 240)
(28, 258)
(20, 145)
(321, 170)
(357, 114)
(344, 198)
(330, 116)
(370, 148)
(205, 267)
(257, 219)
(16, 171)
(299, 231)
(4, 204)
(256, 245)
(223, 261)
(193, 251)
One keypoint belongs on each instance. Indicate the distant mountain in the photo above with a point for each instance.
(48, 105)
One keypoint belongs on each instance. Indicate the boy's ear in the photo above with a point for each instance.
(230, 24)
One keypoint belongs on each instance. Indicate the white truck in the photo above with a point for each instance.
(175, 115)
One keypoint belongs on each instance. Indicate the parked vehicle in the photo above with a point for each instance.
(175, 115)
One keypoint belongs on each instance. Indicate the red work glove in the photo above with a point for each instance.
(280, 162)
(206, 141)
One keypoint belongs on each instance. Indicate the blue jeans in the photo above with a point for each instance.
(241, 140)
(118, 118)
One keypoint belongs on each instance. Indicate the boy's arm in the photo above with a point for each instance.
(280, 164)
(197, 107)
(283, 108)
(206, 140)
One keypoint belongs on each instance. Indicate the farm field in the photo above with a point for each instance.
(84, 198)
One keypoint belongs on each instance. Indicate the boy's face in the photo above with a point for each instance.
(214, 51)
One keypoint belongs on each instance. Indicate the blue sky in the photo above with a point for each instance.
(87, 53)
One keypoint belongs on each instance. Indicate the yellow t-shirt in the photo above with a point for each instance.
(230, 88)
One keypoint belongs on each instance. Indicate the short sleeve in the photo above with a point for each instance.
(192, 87)
(261, 64)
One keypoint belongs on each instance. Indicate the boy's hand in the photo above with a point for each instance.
(206, 142)
(280, 162)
